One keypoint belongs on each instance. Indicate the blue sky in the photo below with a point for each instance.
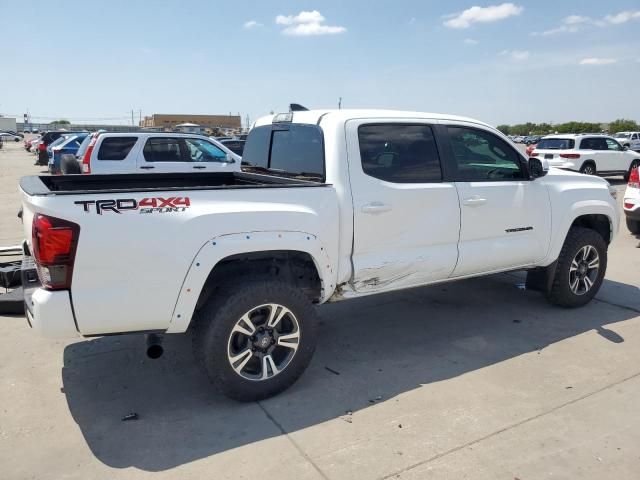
(499, 62)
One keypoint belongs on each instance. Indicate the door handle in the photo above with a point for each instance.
(474, 201)
(376, 207)
(147, 167)
(199, 167)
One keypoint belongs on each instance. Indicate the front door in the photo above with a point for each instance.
(406, 220)
(505, 216)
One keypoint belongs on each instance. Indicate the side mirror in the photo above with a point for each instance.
(625, 148)
(229, 158)
(538, 167)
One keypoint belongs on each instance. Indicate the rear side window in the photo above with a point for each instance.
(163, 149)
(556, 144)
(116, 148)
(593, 143)
(292, 150)
(399, 153)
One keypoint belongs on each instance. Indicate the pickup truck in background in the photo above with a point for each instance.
(150, 152)
(330, 205)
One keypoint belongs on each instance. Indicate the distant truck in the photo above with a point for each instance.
(631, 140)
(8, 124)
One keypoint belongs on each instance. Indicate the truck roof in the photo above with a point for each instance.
(314, 116)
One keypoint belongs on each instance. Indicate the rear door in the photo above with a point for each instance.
(406, 218)
(163, 155)
(505, 216)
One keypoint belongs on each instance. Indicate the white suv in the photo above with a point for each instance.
(586, 153)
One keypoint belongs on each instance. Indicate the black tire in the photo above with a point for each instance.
(633, 226)
(588, 168)
(560, 292)
(69, 165)
(215, 321)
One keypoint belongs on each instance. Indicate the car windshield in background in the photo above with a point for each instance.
(556, 144)
(622, 135)
(287, 150)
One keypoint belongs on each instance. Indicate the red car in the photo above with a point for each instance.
(530, 148)
(28, 144)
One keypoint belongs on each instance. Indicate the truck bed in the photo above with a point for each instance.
(141, 182)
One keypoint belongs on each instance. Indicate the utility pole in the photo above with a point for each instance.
(140, 117)
(132, 121)
(340, 103)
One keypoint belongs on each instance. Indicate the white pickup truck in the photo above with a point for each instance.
(331, 205)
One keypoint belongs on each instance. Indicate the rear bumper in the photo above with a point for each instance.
(50, 314)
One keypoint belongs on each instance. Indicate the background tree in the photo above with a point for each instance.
(623, 125)
(61, 122)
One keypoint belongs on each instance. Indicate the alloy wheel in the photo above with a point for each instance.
(584, 269)
(263, 342)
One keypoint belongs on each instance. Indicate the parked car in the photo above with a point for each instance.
(530, 148)
(631, 202)
(586, 153)
(235, 145)
(10, 136)
(30, 142)
(631, 140)
(240, 258)
(150, 152)
(65, 145)
(46, 140)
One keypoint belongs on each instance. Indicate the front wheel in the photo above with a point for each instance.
(254, 339)
(580, 268)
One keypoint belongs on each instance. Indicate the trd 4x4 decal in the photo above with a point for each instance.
(146, 205)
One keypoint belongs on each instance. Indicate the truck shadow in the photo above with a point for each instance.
(369, 351)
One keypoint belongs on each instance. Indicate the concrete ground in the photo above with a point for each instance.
(478, 379)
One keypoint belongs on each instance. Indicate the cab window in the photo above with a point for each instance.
(200, 150)
(482, 156)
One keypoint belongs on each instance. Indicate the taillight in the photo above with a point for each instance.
(86, 160)
(634, 178)
(534, 154)
(42, 147)
(569, 155)
(628, 205)
(54, 247)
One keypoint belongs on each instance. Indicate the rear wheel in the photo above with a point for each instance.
(633, 226)
(580, 268)
(588, 168)
(256, 338)
(69, 165)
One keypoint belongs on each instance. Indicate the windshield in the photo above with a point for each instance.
(286, 150)
(556, 144)
(622, 135)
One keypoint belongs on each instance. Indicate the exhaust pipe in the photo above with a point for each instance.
(154, 346)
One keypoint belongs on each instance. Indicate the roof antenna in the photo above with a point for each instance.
(296, 107)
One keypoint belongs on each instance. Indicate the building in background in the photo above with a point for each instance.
(226, 123)
(8, 123)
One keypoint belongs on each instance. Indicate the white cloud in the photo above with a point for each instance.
(476, 14)
(570, 24)
(470, 41)
(412, 20)
(622, 17)
(574, 23)
(313, 16)
(516, 55)
(252, 24)
(575, 20)
(598, 61)
(306, 24)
